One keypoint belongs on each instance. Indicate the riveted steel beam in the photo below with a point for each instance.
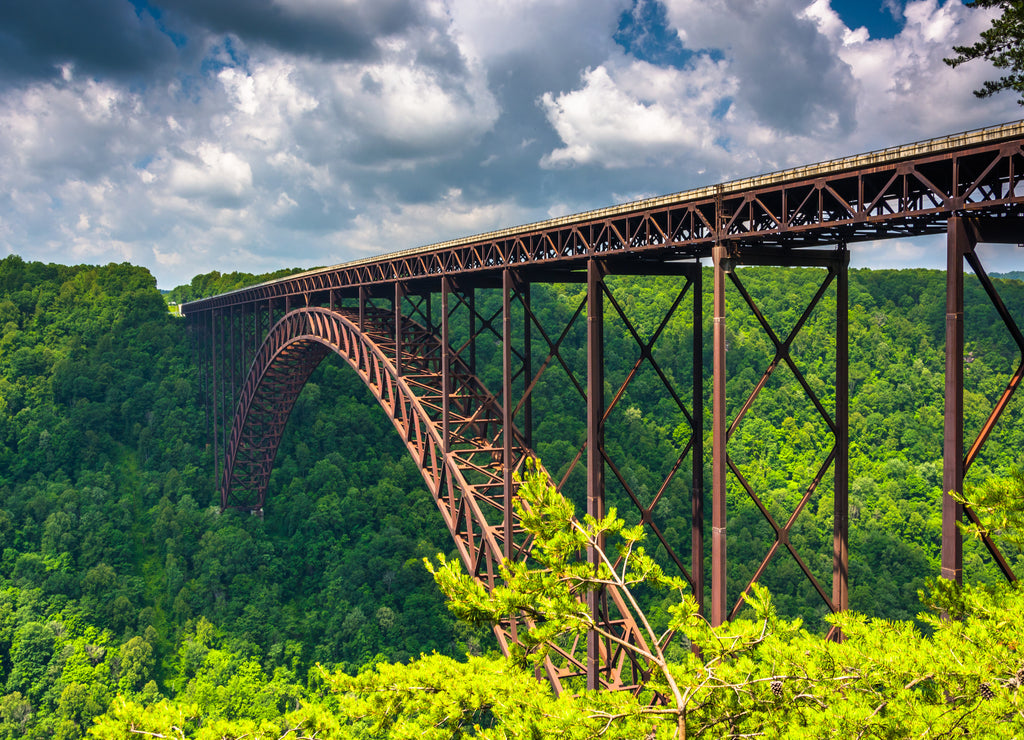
(958, 243)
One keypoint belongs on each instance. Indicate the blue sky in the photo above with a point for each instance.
(882, 19)
(193, 135)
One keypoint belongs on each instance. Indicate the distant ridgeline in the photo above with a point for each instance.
(119, 576)
(214, 283)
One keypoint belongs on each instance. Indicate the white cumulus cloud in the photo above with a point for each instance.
(311, 131)
(636, 113)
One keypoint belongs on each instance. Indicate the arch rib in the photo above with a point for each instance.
(466, 483)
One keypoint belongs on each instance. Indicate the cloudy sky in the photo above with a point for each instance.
(197, 135)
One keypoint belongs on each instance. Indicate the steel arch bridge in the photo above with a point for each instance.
(420, 329)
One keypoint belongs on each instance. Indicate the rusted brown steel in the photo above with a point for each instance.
(527, 371)
(719, 585)
(397, 303)
(1018, 374)
(697, 435)
(446, 366)
(692, 449)
(841, 479)
(507, 401)
(647, 510)
(218, 378)
(595, 456)
(953, 416)
(836, 263)
(973, 231)
(607, 610)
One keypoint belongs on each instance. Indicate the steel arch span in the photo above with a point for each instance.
(462, 465)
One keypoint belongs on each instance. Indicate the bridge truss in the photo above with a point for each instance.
(420, 328)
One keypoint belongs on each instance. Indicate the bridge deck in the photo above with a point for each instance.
(899, 191)
(890, 155)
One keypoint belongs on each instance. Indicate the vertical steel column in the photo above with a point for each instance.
(362, 308)
(472, 330)
(595, 446)
(398, 327)
(243, 343)
(216, 399)
(257, 333)
(508, 284)
(524, 296)
(238, 343)
(507, 405)
(201, 339)
(225, 430)
(841, 482)
(697, 448)
(953, 419)
(233, 359)
(429, 298)
(446, 362)
(719, 607)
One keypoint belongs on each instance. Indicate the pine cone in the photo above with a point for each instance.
(776, 688)
(1020, 676)
(986, 691)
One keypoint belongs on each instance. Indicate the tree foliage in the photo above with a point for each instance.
(1002, 44)
(113, 552)
(215, 283)
(768, 676)
(762, 676)
(124, 593)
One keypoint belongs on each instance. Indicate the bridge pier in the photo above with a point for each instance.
(964, 234)
(719, 441)
(595, 451)
(841, 479)
(507, 403)
(726, 258)
(957, 245)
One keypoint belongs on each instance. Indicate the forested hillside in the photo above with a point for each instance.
(118, 573)
(213, 283)
(119, 577)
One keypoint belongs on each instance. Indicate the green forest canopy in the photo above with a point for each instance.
(120, 577)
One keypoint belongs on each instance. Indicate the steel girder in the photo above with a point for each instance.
(835, 420)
